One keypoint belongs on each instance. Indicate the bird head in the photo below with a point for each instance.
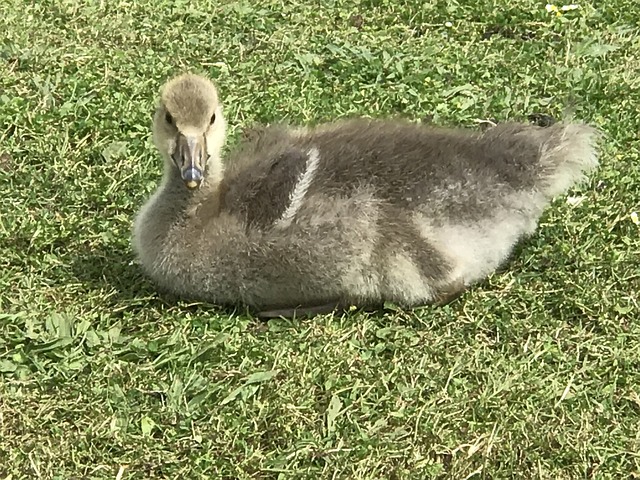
(188, 126)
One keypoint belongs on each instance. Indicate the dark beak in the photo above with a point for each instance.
(190, 157)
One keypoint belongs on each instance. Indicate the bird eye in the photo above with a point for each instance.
(168, 118)
(213, 118)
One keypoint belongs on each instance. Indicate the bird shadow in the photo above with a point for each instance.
(104, 267)
(113, 271)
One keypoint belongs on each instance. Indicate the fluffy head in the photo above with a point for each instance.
(189, 128)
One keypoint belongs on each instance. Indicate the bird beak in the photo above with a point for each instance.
(190, 157)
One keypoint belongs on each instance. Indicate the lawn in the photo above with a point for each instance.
(535, 373)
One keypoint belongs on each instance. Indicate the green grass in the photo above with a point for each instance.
(533, 374)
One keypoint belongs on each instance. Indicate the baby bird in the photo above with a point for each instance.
(299, 221)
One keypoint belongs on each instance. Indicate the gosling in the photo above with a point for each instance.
(358, 212)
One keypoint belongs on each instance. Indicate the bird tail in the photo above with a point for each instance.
(567, 155)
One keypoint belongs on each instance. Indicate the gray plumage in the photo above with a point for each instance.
(354, 212)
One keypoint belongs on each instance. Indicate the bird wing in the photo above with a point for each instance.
(261, 192)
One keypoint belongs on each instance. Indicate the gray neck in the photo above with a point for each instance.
(204, 200)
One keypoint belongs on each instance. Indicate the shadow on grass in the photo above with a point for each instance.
(111, 269)
(106, 267)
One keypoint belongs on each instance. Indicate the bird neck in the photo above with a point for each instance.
(215, 171)
(204, 202)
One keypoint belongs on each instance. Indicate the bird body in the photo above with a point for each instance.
(357, 211)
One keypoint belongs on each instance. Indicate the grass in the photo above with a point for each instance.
(533, 374)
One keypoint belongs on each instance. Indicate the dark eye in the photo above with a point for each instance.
(168, 118)
(213, 118)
